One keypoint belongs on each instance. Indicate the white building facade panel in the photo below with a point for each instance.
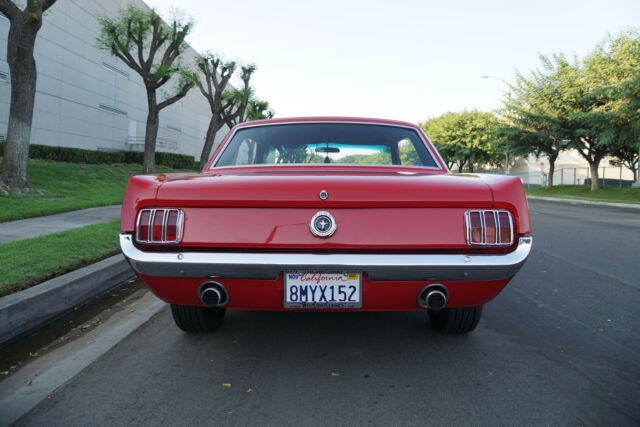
(88, 99)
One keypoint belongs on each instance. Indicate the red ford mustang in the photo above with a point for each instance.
(326, 214)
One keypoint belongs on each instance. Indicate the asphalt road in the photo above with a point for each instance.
(560, 345)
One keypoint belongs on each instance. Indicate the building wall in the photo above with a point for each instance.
(88, 99)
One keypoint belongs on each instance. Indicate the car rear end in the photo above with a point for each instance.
(330, 237)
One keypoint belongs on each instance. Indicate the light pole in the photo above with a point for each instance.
(506, 153)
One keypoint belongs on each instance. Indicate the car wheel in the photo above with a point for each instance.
(457, 320)
(192, 318)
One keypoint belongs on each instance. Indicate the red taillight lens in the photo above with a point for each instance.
(505, 228)
(144, 220)
(171, 231)
(490, 233)
(475, 228)
(489, 228)
(158, 220)
(159, 226)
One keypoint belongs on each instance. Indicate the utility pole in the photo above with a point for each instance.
(506, 153)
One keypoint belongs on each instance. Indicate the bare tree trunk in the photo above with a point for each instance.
(151, 133)
(212, 131)
(22, 65)
(552, 169)
(470, 167)
(595, 181)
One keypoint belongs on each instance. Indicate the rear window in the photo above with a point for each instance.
(326, 143)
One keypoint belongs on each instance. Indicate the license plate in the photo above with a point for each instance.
(322, 290)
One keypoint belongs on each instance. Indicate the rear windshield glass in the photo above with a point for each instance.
(326, 143)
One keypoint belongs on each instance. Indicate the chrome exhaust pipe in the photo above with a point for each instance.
(213, 294)
(433, 297)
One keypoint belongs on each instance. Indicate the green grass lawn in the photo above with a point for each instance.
(32, 261)
(583, 192)
(68, 187)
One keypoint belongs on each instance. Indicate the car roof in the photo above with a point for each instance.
(325, 119)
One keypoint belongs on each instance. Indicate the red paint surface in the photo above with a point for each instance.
(375, 228)
(376, 295)
(141, 192)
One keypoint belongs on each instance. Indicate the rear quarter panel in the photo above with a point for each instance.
(508, 193)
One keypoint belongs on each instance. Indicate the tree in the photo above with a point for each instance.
(625, 154)
(226, 105)
(537, 123)
(466, 138)
(24, 25)
(256, 110)
(616, 68)
(605, 117)
(142, 40)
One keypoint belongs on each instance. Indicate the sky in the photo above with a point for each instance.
(404, 59)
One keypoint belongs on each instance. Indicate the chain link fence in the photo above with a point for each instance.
(608, 176)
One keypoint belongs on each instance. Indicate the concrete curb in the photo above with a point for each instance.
(584, 202)
(32, 384)
(32, 307)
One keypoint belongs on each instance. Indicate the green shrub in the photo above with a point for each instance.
(78, 155)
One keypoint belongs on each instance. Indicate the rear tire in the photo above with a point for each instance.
(457, 320)
(192, 318)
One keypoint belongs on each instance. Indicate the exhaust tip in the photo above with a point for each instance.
(433, 297)
(436, 300)
(213, 294)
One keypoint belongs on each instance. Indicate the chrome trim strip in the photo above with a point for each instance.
(241, 265)
(165, 218)
(438, 160)
(152, 215)
(496, 216)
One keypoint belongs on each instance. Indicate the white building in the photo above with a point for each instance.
(88, 99)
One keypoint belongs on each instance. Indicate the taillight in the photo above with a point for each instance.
(489, 228)
(505, 228)
(142, 229)
(171, 229)
(474, 227)
(159, 226)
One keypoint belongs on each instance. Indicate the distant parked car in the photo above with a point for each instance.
(326, 214)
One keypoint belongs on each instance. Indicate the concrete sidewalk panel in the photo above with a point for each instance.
(585, 202)
(34, 227)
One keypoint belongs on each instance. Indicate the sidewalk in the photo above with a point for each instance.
(585, 202)
(39, 226)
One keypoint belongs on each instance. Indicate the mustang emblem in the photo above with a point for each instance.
(322, 224)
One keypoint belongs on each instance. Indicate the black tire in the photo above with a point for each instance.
(192, 318)
(457, 320)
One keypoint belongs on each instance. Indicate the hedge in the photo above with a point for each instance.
(78, 155)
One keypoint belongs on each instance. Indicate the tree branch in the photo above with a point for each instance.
(9, 9)
(139, 42)
(154, 40)
(183, 91)
(123, 53)
(47, 4)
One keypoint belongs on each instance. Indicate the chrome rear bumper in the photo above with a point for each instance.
(242, 265)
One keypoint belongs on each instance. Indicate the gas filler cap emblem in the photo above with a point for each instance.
(323, 224)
